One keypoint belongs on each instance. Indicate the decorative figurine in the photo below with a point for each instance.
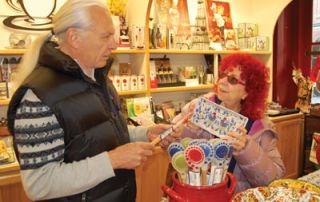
(304, 90)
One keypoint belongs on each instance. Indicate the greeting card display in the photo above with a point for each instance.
(216, 119)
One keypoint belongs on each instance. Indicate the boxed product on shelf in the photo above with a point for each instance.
(262, 43)
(125, 83)
(247, 30)
(168, 110)
(258, 43)
(243, 43)
(125, 68)
(123, 33)
(252, 43)
(140, 109)
(128, 82)
(141, 82)
(159, 36)
(133, 82)
(7, 154)
(4, 90)
(192, 82)
(137, 37)
(230, 38)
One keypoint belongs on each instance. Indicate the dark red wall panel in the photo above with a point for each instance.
(292, 38)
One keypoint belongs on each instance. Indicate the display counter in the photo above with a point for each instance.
(152, 174)
(10, 184)
(290, 144)
(149, 177)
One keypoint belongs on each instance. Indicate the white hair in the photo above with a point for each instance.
(74, 13)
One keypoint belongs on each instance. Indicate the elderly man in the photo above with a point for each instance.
(71, 140)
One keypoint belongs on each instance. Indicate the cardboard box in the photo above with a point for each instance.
(243, 43)
(247, 30)
(262, 43)
(258, 43)
(137, 37)
(192, 82)
(252, 43)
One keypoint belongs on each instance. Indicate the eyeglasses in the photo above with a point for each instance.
(231, 79)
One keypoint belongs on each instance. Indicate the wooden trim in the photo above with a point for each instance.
(176, 51)
(182, 88)
(131, 92)
(12, 51)
(129, 51)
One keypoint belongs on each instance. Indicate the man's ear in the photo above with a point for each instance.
(73, 37)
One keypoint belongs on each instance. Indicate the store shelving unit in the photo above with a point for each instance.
(140, 59)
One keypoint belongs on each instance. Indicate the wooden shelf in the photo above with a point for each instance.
(9, 168)
(12, 51)
(128, 51)
(252, 52)
(131, 92)
(23, 51)
(154, 51)
(121, 93)
(180, 88)
(174, 51)
(4, 102)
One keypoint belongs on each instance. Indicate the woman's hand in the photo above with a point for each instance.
(155, 130)
(237, 140)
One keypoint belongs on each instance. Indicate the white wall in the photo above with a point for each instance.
(264, 13)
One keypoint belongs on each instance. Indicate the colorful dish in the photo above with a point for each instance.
(313, 178)
(296, 184)
(279, 194)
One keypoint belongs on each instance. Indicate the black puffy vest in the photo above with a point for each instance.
(87, 111)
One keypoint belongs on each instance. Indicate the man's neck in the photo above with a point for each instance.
(87, 71)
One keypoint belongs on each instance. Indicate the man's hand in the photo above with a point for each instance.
(131, 155)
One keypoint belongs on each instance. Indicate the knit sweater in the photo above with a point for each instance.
(40, 142)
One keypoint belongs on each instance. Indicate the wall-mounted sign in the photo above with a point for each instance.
(37, 14)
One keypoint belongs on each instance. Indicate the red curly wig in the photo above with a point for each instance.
(256, 76)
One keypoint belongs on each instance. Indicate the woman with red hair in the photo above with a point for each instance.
(243, 87)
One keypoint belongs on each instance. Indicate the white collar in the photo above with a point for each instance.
(90, 74)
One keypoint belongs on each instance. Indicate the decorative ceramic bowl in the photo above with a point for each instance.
(281, 194)
(296, 184)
